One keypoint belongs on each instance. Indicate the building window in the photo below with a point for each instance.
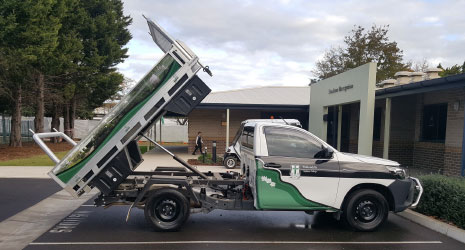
(434, 122)
(377, 124)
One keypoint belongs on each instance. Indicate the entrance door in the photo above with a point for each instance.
(332, 127)
(295, 174)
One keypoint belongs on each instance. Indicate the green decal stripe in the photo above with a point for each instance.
(69, 173)
(273, 193)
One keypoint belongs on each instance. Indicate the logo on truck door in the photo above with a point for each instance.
(268, 180)
(295, 171)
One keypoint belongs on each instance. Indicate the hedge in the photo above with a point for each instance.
(444, 198)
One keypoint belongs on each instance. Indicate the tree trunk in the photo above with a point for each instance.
(55, 122)
(39, 116)
(15, 134)
(66, 120)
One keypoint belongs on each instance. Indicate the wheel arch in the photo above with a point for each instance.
(374, 186)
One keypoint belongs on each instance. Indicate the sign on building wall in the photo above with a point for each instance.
(355, 85)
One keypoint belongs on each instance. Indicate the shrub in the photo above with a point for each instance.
(443, 197)
(208, 159)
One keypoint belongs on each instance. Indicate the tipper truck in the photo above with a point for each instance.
(283, 167)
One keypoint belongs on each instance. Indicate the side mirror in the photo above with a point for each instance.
(324, 153)
(328, 153)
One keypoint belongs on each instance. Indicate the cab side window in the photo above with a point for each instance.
(247, 137)
(291, 143)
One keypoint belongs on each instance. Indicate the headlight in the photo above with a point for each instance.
(400, 172)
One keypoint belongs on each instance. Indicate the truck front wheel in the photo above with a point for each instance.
(167, 209)
(365, 210)
(230, 162)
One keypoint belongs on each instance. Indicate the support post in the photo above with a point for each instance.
(324, 128)
(387, 128)
(227, 129)
(161, 119)
(339, 127)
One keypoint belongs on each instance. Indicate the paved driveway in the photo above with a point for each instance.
(97, 228)
(18, 194)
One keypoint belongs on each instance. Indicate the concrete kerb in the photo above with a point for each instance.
(435, 225)
(25, 171)
(23, 228)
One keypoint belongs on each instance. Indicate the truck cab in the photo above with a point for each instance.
(288, 168)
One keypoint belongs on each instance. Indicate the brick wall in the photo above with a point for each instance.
(452, 160)
(443, 157)
(406, 145)
(211, 123)
(429, 155)
(402, 132)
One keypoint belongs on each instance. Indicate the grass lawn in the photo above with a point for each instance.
(37, 160)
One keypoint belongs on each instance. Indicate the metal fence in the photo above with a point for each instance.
(170, 132)
(5, 129)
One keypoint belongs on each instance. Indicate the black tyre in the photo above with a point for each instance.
(365, 210)
(230, 162)
(167, 209)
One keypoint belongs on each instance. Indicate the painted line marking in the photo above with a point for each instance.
(87, 205)
(238, 242)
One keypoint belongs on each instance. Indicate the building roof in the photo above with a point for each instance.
(449, 82)
(270, 95)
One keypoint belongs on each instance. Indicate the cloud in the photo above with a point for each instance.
(255, 43)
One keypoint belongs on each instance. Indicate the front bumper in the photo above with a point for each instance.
(403, 192)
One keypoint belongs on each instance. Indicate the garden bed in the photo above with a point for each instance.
(30, 149)
(207, 162)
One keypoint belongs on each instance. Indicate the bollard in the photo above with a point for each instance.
(214, 152)
(204, 154)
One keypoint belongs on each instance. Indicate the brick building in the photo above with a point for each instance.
(227, 109)
(424, 115)
(426, 122)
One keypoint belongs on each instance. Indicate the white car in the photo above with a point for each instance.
(232, 156)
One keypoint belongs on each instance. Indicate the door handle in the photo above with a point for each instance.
(272, 165)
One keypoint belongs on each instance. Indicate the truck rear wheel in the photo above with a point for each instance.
(167, 209)
(365, 210)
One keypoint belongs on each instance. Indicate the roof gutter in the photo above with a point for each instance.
(455, 81)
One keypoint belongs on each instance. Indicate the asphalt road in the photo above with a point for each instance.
(18, 194)
(97, 228)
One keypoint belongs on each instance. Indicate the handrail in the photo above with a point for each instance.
(38, 139)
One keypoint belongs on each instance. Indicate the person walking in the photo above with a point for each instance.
(198, 143)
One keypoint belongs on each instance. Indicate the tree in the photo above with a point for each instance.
(454, 70)
(420, 66)
(103, 32)
(360, 48)
(28, 32)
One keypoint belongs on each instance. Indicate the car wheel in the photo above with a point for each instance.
(167, 209)
(230, 162)
(365, 210)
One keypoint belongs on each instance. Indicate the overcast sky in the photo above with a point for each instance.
(257, 43)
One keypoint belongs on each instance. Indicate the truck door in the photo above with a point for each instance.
(295, 174)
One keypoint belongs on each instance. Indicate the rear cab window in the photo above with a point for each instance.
(238, 134)
(248, 137)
